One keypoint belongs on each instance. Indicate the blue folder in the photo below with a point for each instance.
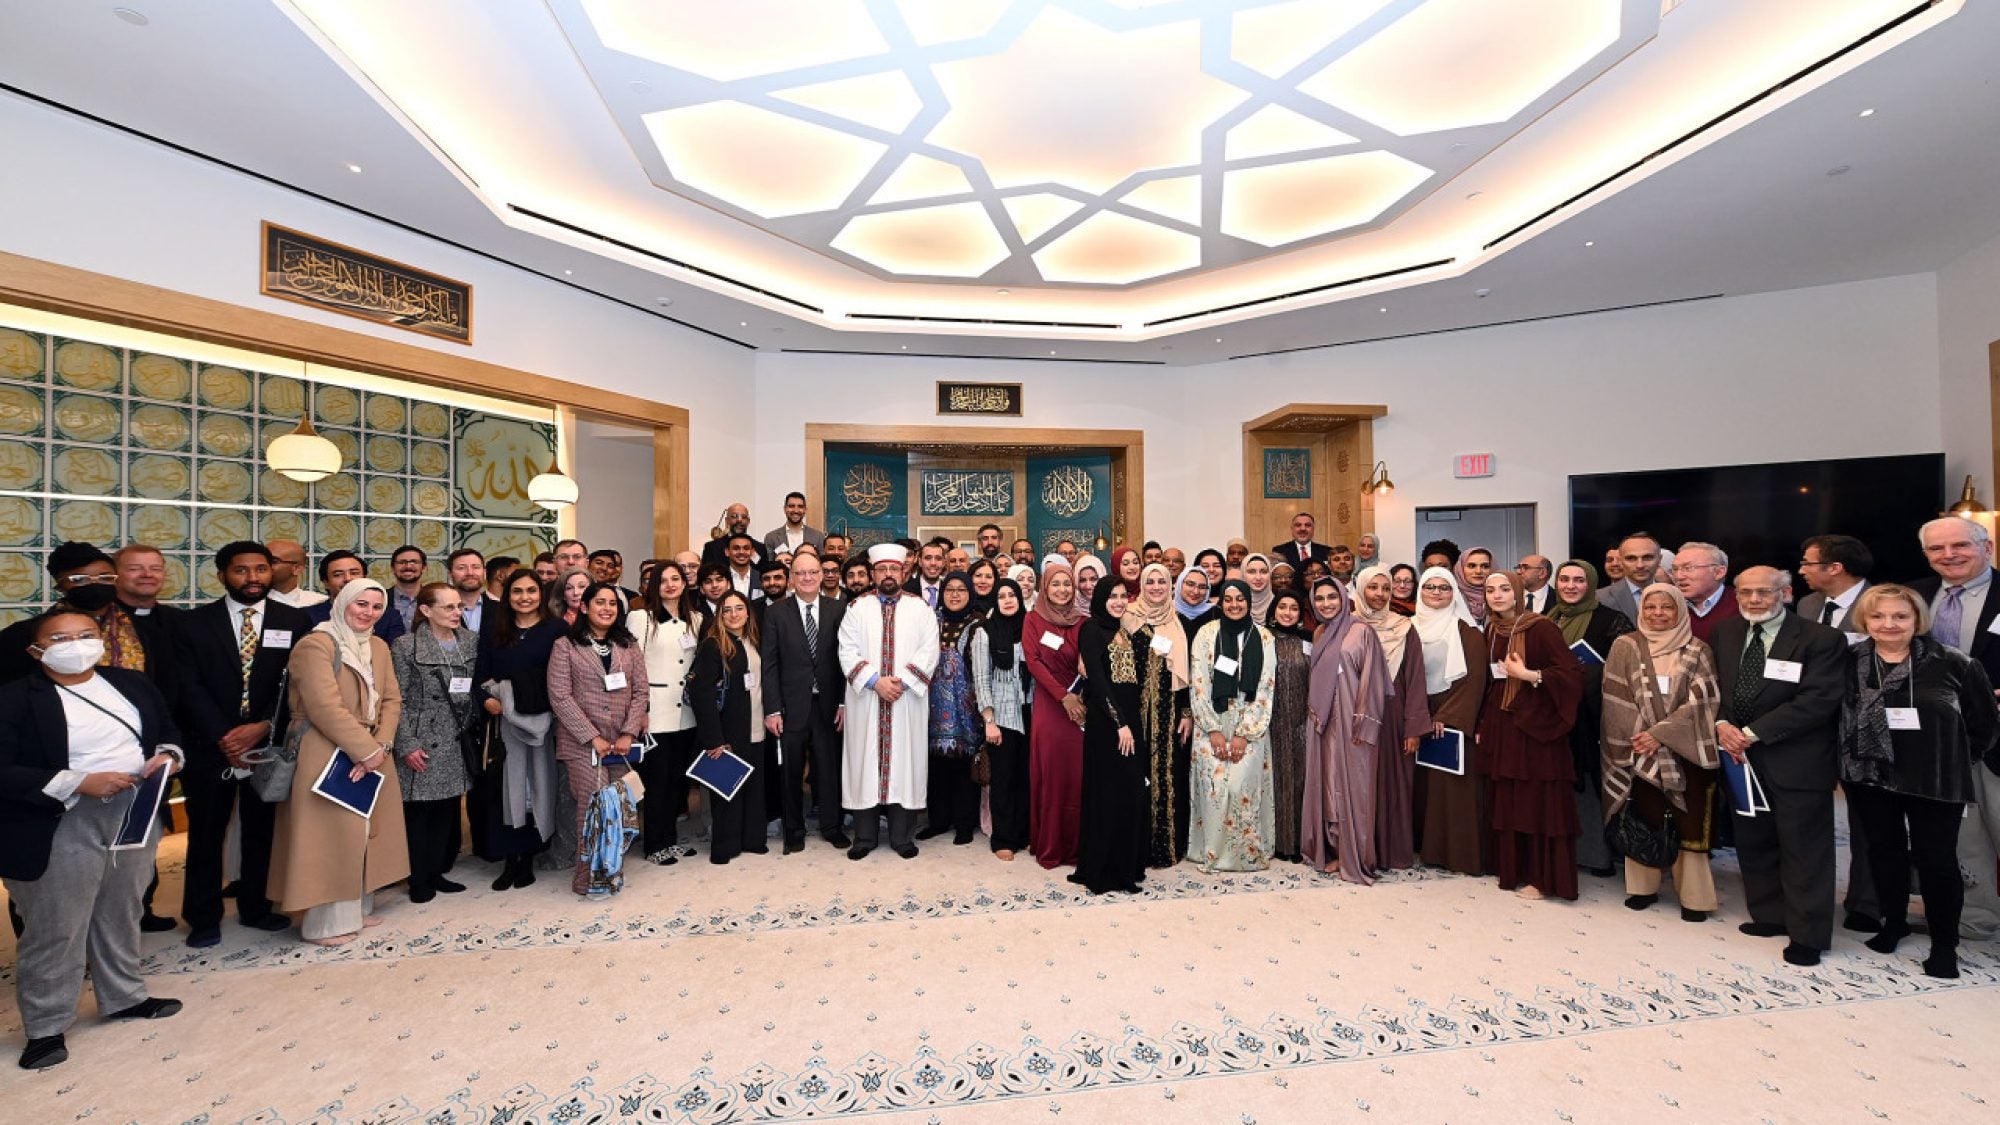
(1589, 656)
(1445, 752)
(725, 774)
(145, 810)
(1746, 793)
(357, 797)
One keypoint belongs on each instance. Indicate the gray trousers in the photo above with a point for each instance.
(83, 910)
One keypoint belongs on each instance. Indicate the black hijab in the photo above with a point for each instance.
(1238, 640)
(952, 624)
(1003, 630)
(1303, 627)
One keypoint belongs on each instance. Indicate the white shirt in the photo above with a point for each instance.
(1844, 605)
(299, 598)
(743, 583)
(794, 539)
(236, 609)
(1538, 600)
(98, 743)
(1707, 603)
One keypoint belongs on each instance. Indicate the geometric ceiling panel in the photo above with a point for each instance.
(1111, 249)
(1176, 198)
(1035, 215)
(1282, 203)
(921, 177)
(884, 100)
(932, 22)
(765, 162)
(954, 240)
(1275, 129)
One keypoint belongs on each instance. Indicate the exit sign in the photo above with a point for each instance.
(1472, 465)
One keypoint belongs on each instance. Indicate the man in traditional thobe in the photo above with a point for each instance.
(888, 652)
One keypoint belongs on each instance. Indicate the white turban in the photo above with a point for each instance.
(887, 552)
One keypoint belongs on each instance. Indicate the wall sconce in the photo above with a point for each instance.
(303, 455)
(1379, 483)
(553, 489)
(1968, 501)
(1100, 544)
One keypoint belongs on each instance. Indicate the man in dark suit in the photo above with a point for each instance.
(1781, 679)
(232, 656)
(1300, 548)
(1836, 568)
(1965, 614)
(803, 697)
(928, 573)
(735, 521)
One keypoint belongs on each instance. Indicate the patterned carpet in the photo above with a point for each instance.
(958, 988)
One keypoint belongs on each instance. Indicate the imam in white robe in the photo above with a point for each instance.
(873, 729)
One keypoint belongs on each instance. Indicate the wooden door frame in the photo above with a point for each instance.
(1317, 419)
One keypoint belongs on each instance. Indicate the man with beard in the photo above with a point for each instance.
(336, 570)
(608, 566)
(793, 533)
(1340, 564)
(930, 572)
(771, 579)
(465, 569)
(989, 540)
(854, 578)
(406, 566)
(1023, 551)
(545, 567)
(735, 522)
(231, 657)
(888, 652)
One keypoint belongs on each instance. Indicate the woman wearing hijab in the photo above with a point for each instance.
(1231, 823)
(1660, 700)
(1450, 809)
(1088, 571)
(1125, 566)
(1577, 612)
(1111, 846)
(1346, 692)
(1257, 578)
(1154, 623)
(956, 730)
(1403, 589)
(1055, 736)
(1000, 680)
(1471, 578)
(1292, 643)
(325, 860)
(434, 663)
(1192, 601)
(1023, 575)
(1524, 745)
(1406, 718)
(1281, 579)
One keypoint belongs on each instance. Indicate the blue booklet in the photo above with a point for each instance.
(1589, 656)
(145, 810)
(725, 774)
(1445, 752)
(357, 797)
(1746, 793)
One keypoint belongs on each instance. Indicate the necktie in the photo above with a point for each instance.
(246, 647)
(1950, 619)
(1749, 678)
(1826, 612)
(812, 642)
(930, 596)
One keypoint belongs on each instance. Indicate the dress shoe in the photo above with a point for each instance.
(269, 923)
(1802, 955)
(157, 1008)
(907, 851)
(931, 831)
(860, 851)
(794, 844)
(43, 1053)
(1942, 963)
(152, 923)
(665, 857)
(524, 876)
(1861, 923)
(1887, 939)
(1640, 902)
(1762, 929)
(963, 838)
(421, 895)
(837, 838)
(1693, 915)
(445, 886)
(204, 937)
(230, 888)
(505, 880)
(1604, 872)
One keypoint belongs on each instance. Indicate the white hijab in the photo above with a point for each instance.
(1444, 649)
(356, 649)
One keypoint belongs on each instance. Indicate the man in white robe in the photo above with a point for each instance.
(888, 652)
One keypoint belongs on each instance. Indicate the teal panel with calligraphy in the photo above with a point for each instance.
(1288, 474)
(967, 492)
(868, 496)
(1068, 498)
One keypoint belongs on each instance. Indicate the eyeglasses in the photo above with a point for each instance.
(86, 635)
(1434, 588)
(1691, 567)
(86, 580)
(1804, 563)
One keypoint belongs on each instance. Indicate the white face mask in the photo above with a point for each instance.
(71, 657)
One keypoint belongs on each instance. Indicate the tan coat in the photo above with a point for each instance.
(322, 853)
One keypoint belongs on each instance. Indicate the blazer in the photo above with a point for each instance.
(712, 552)
(1618, 596)
(731, 723)
(34, 747)
(1985, 646)
(1288, 551)
(584, 708)
(1796, 724)
(1811, 605)
(790, 674)
(210, 676)
(774, 539)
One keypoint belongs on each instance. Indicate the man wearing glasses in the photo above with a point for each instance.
(1699, 569)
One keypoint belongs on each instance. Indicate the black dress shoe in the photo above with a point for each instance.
(1861, 923)
(43, 1053)
(505, 880)
(907, 851)
(204, 937)
(1942, 963)
(1803, 955)
(860, 851)
(152, 923)
(445, 886)
(1887, 939)
(931, 831)
(157, 1008)
(269, 923)
(1693, 915)
(963, 838)
(1762, 929)
(1640, 902)
(1605, 872)
(837, 838)
(421, 895)
(797, 845)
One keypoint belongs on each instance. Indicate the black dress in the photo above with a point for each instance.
(723, 717)
(525, 665)
(1111, 843)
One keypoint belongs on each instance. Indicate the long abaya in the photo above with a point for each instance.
(1112, 840)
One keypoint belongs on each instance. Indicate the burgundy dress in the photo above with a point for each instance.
(1525, 757)
(1055, 745)
(1406, 714)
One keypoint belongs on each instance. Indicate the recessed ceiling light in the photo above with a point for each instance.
(1003, 292)
(1218, 339)
(1840, 170)
(132, 16)
(742, 324)
(1588, 243)
(1867, 113)
(354, 168)
(569, 273)
(1481, 292)
(1052, 351)
(906, 347)
(663, 302)
(1384, 308)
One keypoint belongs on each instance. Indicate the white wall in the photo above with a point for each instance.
(1968, 293)
(613, 466)
(99, 200)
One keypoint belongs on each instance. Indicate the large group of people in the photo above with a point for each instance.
(1315, 704)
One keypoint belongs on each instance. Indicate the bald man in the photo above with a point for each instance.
(288, 570)
(1535, 572)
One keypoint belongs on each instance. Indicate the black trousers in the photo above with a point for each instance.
(810, 741)
(664, 771)
(868, 825)
(1905, 831)
(427, 825)
(1010, 791)
(739, 824)
(210, 799)
(1861, 897)
(951, 798)
(1787, 859)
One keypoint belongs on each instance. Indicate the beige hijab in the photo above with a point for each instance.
(356, 649)
(1391, 628)
(1165, 622)
(1663, 648)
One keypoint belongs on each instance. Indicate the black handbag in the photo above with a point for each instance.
(482, 745)
(1629, 835)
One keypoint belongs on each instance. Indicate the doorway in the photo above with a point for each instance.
(1507, 530)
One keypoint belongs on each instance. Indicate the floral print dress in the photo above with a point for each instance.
(1233, 821)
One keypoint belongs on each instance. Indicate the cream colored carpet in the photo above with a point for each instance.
(957, 988)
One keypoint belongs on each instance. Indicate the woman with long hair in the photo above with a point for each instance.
(725, 687)
(1403, 589)
(668, 627)
(597, 691)
(568, 594)
(512, 683)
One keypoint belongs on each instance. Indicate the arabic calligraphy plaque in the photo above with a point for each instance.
(997, 400)
(1287, 474)
(968, 492)
(312, 271)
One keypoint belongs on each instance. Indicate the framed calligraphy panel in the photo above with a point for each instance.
(999, 400)
(967, 492)
(326, 275)
(1288, 474)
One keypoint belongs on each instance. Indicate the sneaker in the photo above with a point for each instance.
(665, 857)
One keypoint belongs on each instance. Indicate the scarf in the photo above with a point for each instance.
(1404, 606)
(1187, 609)
(1094, 563)
(952, 624)
(1327, 650)
(1118, 568)
(1867, 751)
(1391, 628)
(1165, 619)
(1061, 615)
(1260, 600)
(1237, 639)
(1574, 620)
(527, 787)
(1444, 648)
(1003, 630)
(1663, 648)
(1302, 628)
(354, 648)
(1508, 633)
(1023, 576)
(1475, 596)
(122, 646)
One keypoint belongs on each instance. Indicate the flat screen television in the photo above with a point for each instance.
(1760, 513)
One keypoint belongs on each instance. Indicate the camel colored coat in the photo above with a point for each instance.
(319, 848)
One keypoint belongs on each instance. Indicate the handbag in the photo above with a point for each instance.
(1629, 835)
(982, 766)
(272, 767)
(482, 746)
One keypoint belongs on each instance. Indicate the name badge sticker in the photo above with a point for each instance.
(1308, 646)
(277, 638)
(1052, 640)
(461, 685)
(1497, 670)
(687, 642)
(1225, 666)
(1786, 670)
(1162, 645)
(1903, 718)
(749, 681)
(1994, 626)
(614, 681)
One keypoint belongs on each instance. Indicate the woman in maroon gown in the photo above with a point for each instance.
(1055, 737)
(1524, 745)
